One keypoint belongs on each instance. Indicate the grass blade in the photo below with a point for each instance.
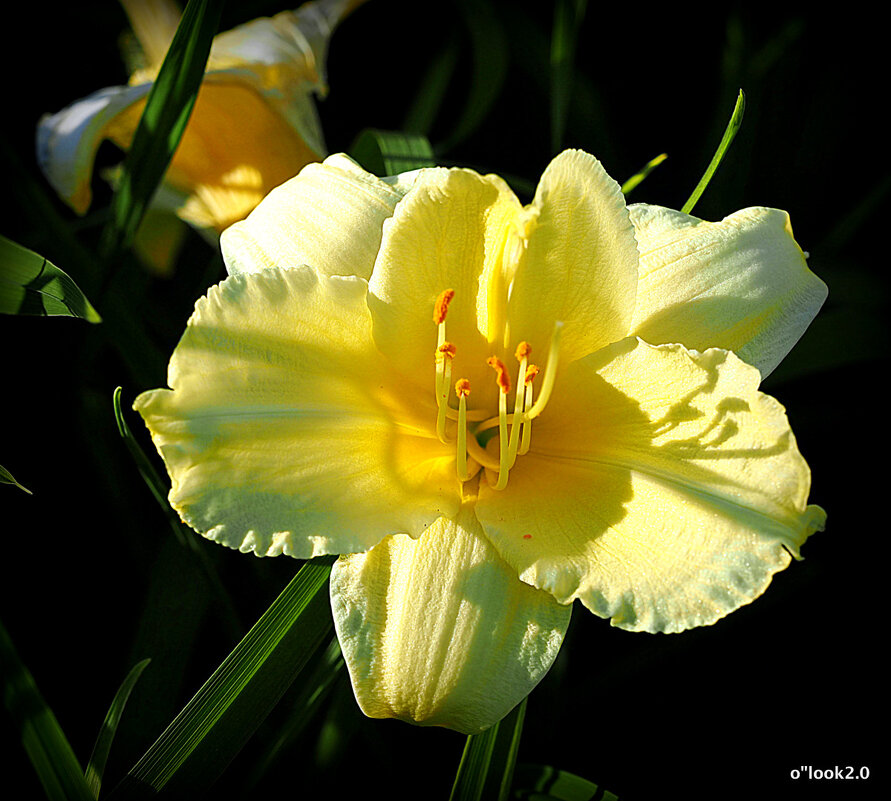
(163, 122)
(7, 478)
(490, 56)
(42, 736)
(29, 284)
(196, 747)
(644, 171)
(568, 15)
(544, 783)
(487, 765)
(391, 152)
(729, 134)
(99, 757)
(183, 533)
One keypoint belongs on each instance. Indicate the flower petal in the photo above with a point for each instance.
(448, 233)
(67, 141)
(236, 148)
(741, 284)
(439, 631)
(580, 261)
(283, 432)
(330, 217)
(664, 490)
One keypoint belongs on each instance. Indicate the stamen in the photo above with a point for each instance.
(440, 310)
(531, 371)
(462, 390)
(550, 374)
(444, 355)
(504, 385)
(522, 354)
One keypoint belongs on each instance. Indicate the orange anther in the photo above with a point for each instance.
(441, 307)
(446, 351)
(531, 371)
(462, 387)
(523, 350)
(502, 378)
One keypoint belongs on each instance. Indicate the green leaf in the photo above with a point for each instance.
(568, 15)
(391, 152)
(184, 535)
(644, 171)
(7, 478)
(42, 736)
(99, 757)
(729, 134)
(544, 783)
(29, 284)
(196, 747)
(433, 88)
(487, 765)
(322, 674)
(490, 57)
(163, 122)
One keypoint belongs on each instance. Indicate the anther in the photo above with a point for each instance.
(523, 350)
(502, 379)
(446, 351)
(441, 307)
(531, 371)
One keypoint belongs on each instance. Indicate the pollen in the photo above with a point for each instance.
(441, 307)
(462, 387)
(446, 351)
(502, 379)
(531, 371)
(523, 350)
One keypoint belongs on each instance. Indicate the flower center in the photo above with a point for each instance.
(514, 429)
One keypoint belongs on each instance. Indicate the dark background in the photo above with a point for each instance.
(91, 579)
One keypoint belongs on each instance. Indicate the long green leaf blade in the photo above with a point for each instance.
(487, 765)
(184, 535)
(7, 478)
(163, 122)
(99, 757)
(196, 747)
(42, 736)
(544, 783)
(642, 173)
(729, 134)
(29, 284)
(391, 152)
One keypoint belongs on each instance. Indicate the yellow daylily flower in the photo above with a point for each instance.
(253, 125)
(453, 391)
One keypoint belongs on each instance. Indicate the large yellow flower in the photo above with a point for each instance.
(486, 408)
(254, 124)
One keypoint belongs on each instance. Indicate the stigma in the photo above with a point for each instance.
(472, 427)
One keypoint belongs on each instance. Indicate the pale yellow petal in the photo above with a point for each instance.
(447, 233)
(68, 140)
(283, 431)
(439, 631)
(330, 216)
(580, 262)
(663, 489)
(741, 284)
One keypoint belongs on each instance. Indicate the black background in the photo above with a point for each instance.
(797, 678)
